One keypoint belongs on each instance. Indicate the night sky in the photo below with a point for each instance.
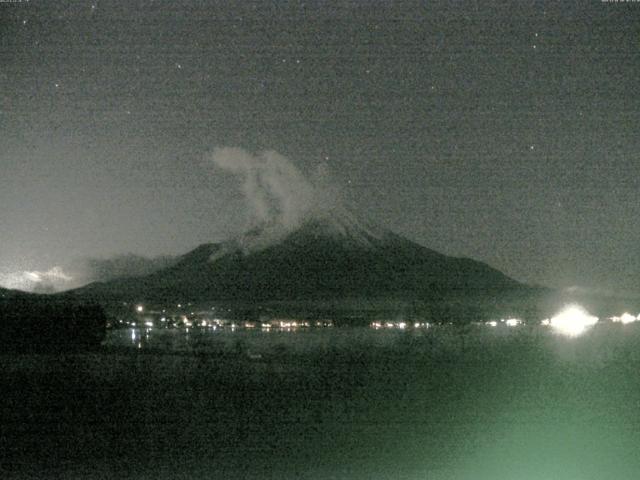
(502, 131)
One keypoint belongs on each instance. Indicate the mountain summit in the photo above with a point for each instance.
(330, 256)
(337, 224)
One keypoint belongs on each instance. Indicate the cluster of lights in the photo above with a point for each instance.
(571, 321)
(625, 318)
(513, 322)
(398, 325)
(294, 324)
(202, 320)
(290, 324)
(186, 321)
(509, 322)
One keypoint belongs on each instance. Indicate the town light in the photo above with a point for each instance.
(573, 321)
(624, 318)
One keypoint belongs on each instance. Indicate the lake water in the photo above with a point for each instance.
(442, 403)
(256, 340)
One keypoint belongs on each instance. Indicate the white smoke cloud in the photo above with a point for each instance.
(277, 192)
(280, 197)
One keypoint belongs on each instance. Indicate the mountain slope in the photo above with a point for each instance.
(330, 257)
(8, 294)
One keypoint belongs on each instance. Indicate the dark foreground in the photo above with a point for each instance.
(481, 404)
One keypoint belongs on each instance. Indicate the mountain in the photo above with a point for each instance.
(7, 294)
(334, 256)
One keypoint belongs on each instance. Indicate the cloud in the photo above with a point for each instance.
(49, 281)
(83, 271)
(278, 194)
(90, 270)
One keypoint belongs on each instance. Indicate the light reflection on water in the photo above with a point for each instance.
(216, 339)
(443, 339)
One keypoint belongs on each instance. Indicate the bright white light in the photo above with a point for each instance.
(627, 318)
(545, 323)
(140, 309)
(148, 324)
(573, 321)
(402, 325)
(492, 323)
(624, 318)
(512, 322)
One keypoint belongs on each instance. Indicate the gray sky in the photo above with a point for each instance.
(502, 131)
